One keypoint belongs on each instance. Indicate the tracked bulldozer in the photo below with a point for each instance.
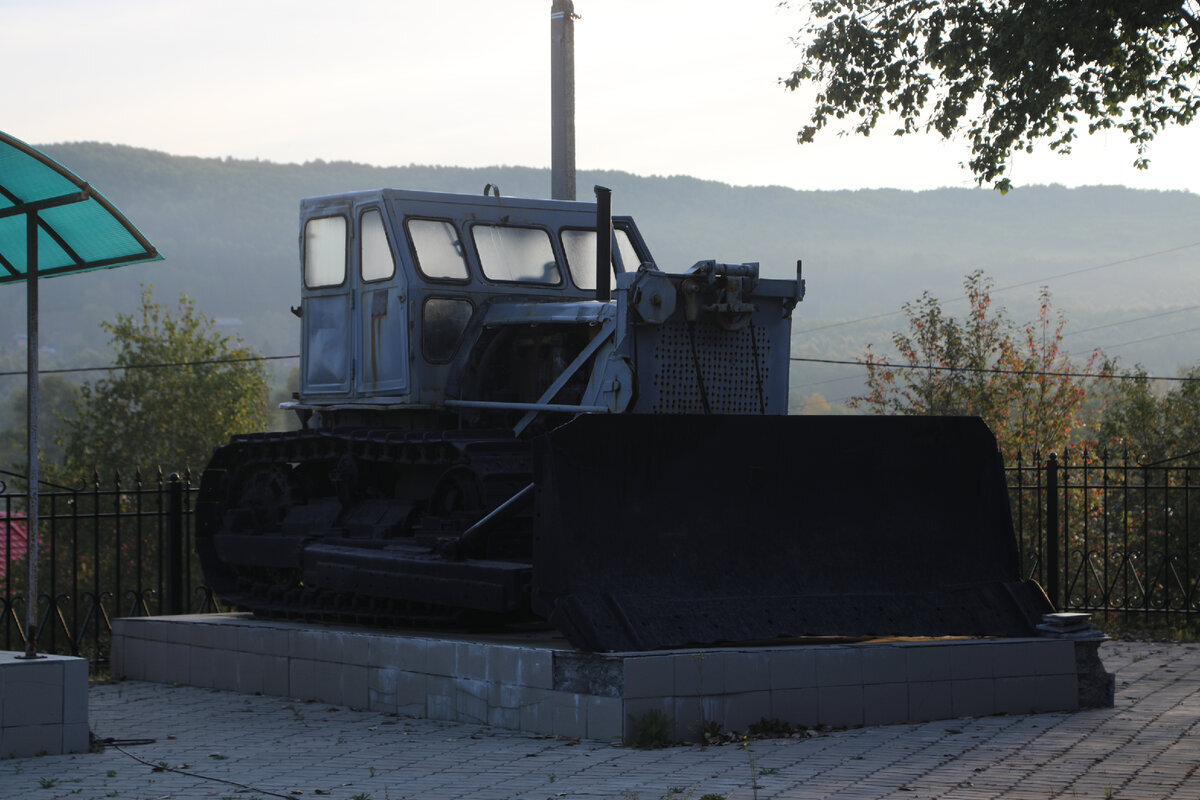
(511, 413)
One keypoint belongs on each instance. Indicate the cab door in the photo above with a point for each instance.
(326, 358)
(381, 303)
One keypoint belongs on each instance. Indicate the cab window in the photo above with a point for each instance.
(513, 254)
(375, 255)
(325, 251)
(437, 249)
(580, 248)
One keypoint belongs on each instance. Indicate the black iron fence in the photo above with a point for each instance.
(121, 547)
(1112, 535)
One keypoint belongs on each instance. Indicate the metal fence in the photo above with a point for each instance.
(117, 547)
(1111, 535)
(1104, 535)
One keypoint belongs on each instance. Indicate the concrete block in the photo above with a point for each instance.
(747, 672)
(249, 672)
(839, 666)
(649, 676)
(75, 694)
(535, 668)
(508, 718)
(75, 738)
(383, 679)
(440, 658)
(1057, 692)
(504, 664)
(1016, 695)
(275, 676)
(302, 678)
(439, 697)
(225, 672)
(973, 698)
(470, 701)
(328, 646)
(796, 706)
(303, 644)
(884, 664)
(588, 673)
(154, 661)
(134, 666)
(570, 715)
(354, 685)
(699, 673)
(746, 708)
(840, 706)
(927, 662)
(381, 702)
(1055, 657)
(33, 695)
(177, 632)
(410, 653)
(23, 741)
(473, 660)
(1013, 659)
(694, 714)
(793, 669)
(328, 681)
(356, 649)
(411, 688)
(538, 717)
(383, 651)
(929, 700)
(203, 664)
(885, 703)
(415, 710)
(972, 661)
(604, 718)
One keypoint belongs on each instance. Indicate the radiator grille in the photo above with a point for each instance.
(726, 365)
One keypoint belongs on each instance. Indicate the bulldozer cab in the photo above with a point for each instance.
(392, 281)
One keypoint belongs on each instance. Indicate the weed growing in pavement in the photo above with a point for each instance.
(112, 773)
(651, 730)
(47, 783)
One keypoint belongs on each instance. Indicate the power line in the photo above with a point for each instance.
(1033, 282)
(1129, 321)
(994, 370)
(157, 365)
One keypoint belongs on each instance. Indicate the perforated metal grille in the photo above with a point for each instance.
(726, 365)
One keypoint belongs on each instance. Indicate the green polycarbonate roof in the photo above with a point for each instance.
(77, 229)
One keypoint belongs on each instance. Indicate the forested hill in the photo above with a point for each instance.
(228, 229)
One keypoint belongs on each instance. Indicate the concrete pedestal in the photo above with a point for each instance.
(536, 682)
(43, 705)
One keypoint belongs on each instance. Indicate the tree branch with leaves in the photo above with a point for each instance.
(1006, 73)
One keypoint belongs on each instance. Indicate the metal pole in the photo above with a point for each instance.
(1052, 529)
(562, 100)
(31, 412)
(174, 544)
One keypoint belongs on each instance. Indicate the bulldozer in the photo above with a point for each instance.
(510, 414)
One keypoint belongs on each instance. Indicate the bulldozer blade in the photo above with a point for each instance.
(666, 531)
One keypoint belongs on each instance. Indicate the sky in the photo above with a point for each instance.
(662, 88)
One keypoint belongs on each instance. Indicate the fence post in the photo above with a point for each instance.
(1052, 568)
(174, 544)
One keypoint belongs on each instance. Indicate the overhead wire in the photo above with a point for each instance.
(153, 365)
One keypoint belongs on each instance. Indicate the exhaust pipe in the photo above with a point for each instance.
(603, 243)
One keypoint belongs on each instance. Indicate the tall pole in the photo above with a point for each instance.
(31, 410)
(562, 100)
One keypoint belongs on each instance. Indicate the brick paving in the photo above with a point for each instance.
(1145, 748)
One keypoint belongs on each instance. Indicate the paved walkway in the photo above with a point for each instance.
(200, 743)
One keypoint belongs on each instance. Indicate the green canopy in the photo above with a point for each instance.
(77, 229)
(51, 223)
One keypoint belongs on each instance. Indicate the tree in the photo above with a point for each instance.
(183, 389)
(1017, 378)
(56, 402)
(1007, 73)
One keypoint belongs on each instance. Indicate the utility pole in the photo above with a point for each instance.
(562, 100)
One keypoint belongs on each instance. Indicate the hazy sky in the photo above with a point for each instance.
(663, 88)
